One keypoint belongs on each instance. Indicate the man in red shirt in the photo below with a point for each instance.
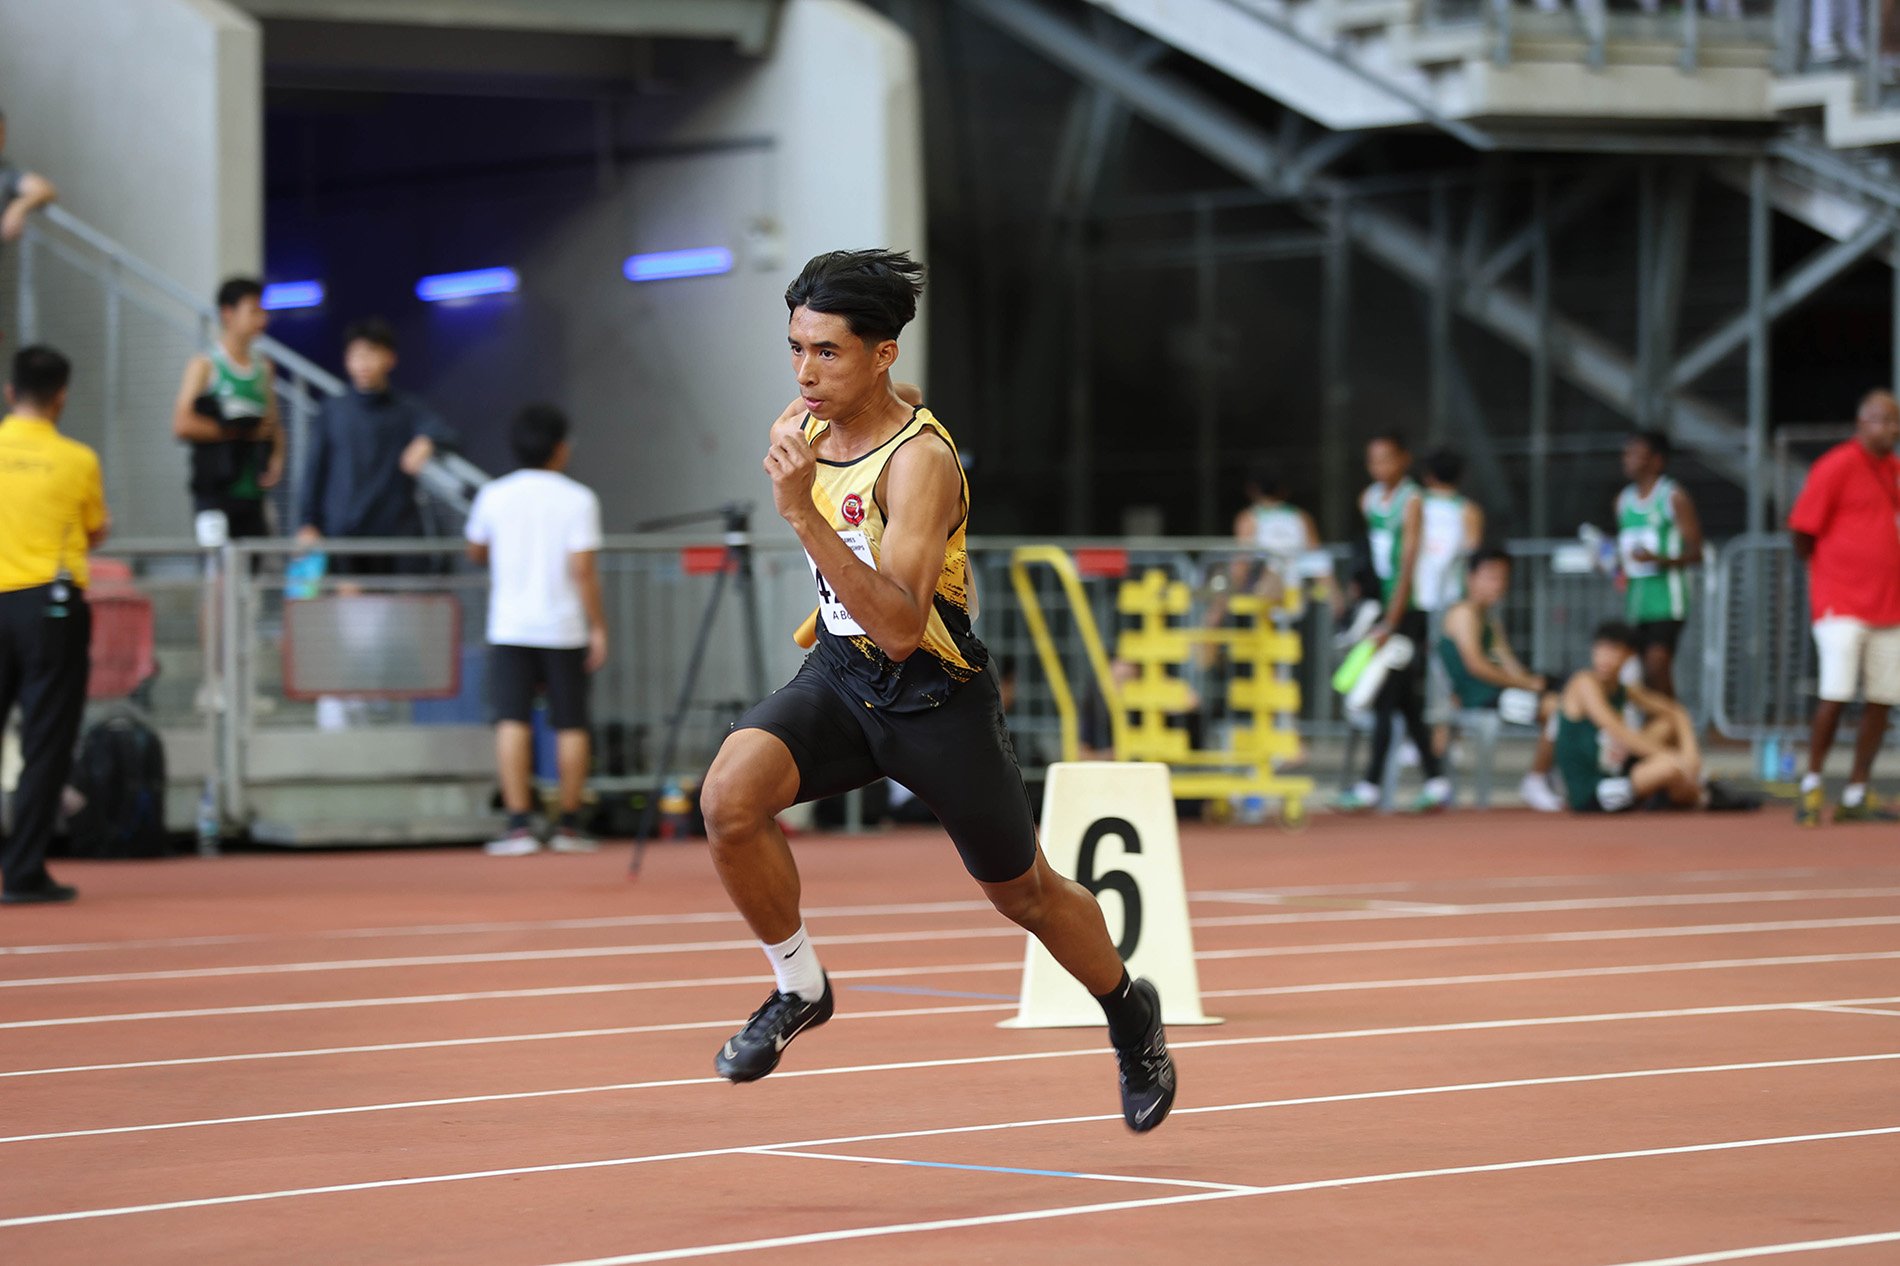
(1846, 525)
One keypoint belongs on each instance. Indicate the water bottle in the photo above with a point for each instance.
(1787, 762)
(303, 578)
(1770, 759)
(674, 810)
(209, 827)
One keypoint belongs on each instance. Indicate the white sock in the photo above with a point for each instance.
(1809, 782)
(1366, 790)
(795, 963)
(1852, 794)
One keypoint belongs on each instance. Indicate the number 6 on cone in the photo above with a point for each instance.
(1110, 826)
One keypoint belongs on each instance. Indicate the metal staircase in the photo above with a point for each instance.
(1712, 95)
(129, 329)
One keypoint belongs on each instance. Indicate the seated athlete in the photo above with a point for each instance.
(1608, 767)
(1486, 674)
(897, 684)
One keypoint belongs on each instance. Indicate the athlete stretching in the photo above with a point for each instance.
(896, 684)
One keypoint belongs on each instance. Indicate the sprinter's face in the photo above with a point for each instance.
(838, 373)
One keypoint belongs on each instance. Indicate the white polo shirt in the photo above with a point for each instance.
(532, 522)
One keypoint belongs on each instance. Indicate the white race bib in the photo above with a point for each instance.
(1631, 539)
(836, 618)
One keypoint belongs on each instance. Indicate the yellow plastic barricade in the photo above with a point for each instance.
(1262, 695)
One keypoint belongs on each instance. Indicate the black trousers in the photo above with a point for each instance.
(1400, 697)
(44, 663)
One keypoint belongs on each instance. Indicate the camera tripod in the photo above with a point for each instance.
(735, 517)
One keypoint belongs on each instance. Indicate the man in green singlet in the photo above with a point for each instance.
(1658, 536)
(227, 411)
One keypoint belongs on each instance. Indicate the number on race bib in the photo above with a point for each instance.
(1118, 881)
(836, 617)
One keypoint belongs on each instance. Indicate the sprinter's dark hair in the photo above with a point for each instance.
(874, 291)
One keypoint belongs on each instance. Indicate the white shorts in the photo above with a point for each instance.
(1853, 657)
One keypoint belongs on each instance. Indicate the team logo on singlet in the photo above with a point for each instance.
(853, 509)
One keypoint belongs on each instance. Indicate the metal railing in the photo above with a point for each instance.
(272, 755)
(129, 330)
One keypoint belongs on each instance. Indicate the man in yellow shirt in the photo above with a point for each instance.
(52, 510)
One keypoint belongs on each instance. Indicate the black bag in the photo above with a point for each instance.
(119, 773)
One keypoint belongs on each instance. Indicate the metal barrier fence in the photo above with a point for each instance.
(1761, 643)
(295, 765)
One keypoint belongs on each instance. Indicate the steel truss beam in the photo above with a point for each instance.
(1800, 284)
(1584, 358)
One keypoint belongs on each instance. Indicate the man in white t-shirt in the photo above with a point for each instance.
(538, 532)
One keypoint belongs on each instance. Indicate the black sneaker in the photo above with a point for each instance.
(48, 893)
(754, 1051)
(1147, 1070)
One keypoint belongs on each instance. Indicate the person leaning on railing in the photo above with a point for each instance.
(21, 192)
(365, 449)
(52, 510)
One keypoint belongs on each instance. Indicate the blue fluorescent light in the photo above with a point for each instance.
(701, 261)
(292, 294)
(468, 285)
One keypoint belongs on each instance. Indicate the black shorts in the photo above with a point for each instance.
(1664, 633)
(245, 520)
(957, 758)
(516, 674)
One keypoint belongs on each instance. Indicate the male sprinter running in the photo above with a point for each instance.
(896, 685)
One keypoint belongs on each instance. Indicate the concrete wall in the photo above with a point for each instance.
(679, 379)
(148, 116)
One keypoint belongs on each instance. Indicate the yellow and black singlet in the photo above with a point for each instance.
(847, 494)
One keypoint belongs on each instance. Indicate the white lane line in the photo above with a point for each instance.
(1853, 1010)
(900, 1013)
(1771, 1250)
(499, 956)
(632, 1030)
(553, 991)
(1324, 1184)
(1611, 934)
(1572, 973)
(78, 1215)
(904, 1066)
(1557, 938)
(1496, 883)
(485, 995)
(998, 931)
(1278, 897)
(1645, 900)
(511, 925)
(1000, 1169)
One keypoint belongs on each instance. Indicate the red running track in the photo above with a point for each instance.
(1471, 1039)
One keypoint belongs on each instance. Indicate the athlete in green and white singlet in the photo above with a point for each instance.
(1647, 522)
(1384, 508)
(226, 411)
(1657, 536)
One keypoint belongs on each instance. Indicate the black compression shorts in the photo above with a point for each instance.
(957, 758)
